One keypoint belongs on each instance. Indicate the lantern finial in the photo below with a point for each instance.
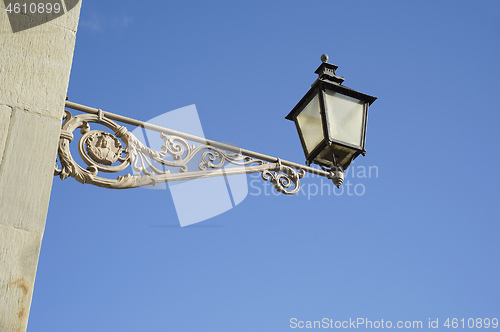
(326, 71)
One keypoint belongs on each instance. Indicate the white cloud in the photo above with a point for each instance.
(98, 21)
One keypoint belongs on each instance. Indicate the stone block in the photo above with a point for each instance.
(19, 252)
(26, 173)
(36, 64)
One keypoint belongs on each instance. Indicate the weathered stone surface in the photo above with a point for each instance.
(35, 64)
(26, 174)
(5, 113)
(19, 252)
(34, 73)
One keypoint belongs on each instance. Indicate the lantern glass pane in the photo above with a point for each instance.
(345, 117)
(309, 120)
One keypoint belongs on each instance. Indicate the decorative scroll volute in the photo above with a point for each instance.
(282, 179)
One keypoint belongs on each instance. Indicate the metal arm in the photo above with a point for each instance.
(103, 151)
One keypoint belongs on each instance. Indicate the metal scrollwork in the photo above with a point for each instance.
(114, 151)
(100, 150)
(283, 177)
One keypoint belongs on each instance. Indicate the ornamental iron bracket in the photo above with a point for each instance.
(114, 150)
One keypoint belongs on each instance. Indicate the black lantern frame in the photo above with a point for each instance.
(331, 151)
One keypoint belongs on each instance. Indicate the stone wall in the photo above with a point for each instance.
(35, 67)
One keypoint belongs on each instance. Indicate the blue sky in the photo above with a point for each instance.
(420, 242)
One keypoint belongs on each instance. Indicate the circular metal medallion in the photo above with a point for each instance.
(103, 147)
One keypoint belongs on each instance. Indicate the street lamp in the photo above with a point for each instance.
(331, 122)
(330, 119)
